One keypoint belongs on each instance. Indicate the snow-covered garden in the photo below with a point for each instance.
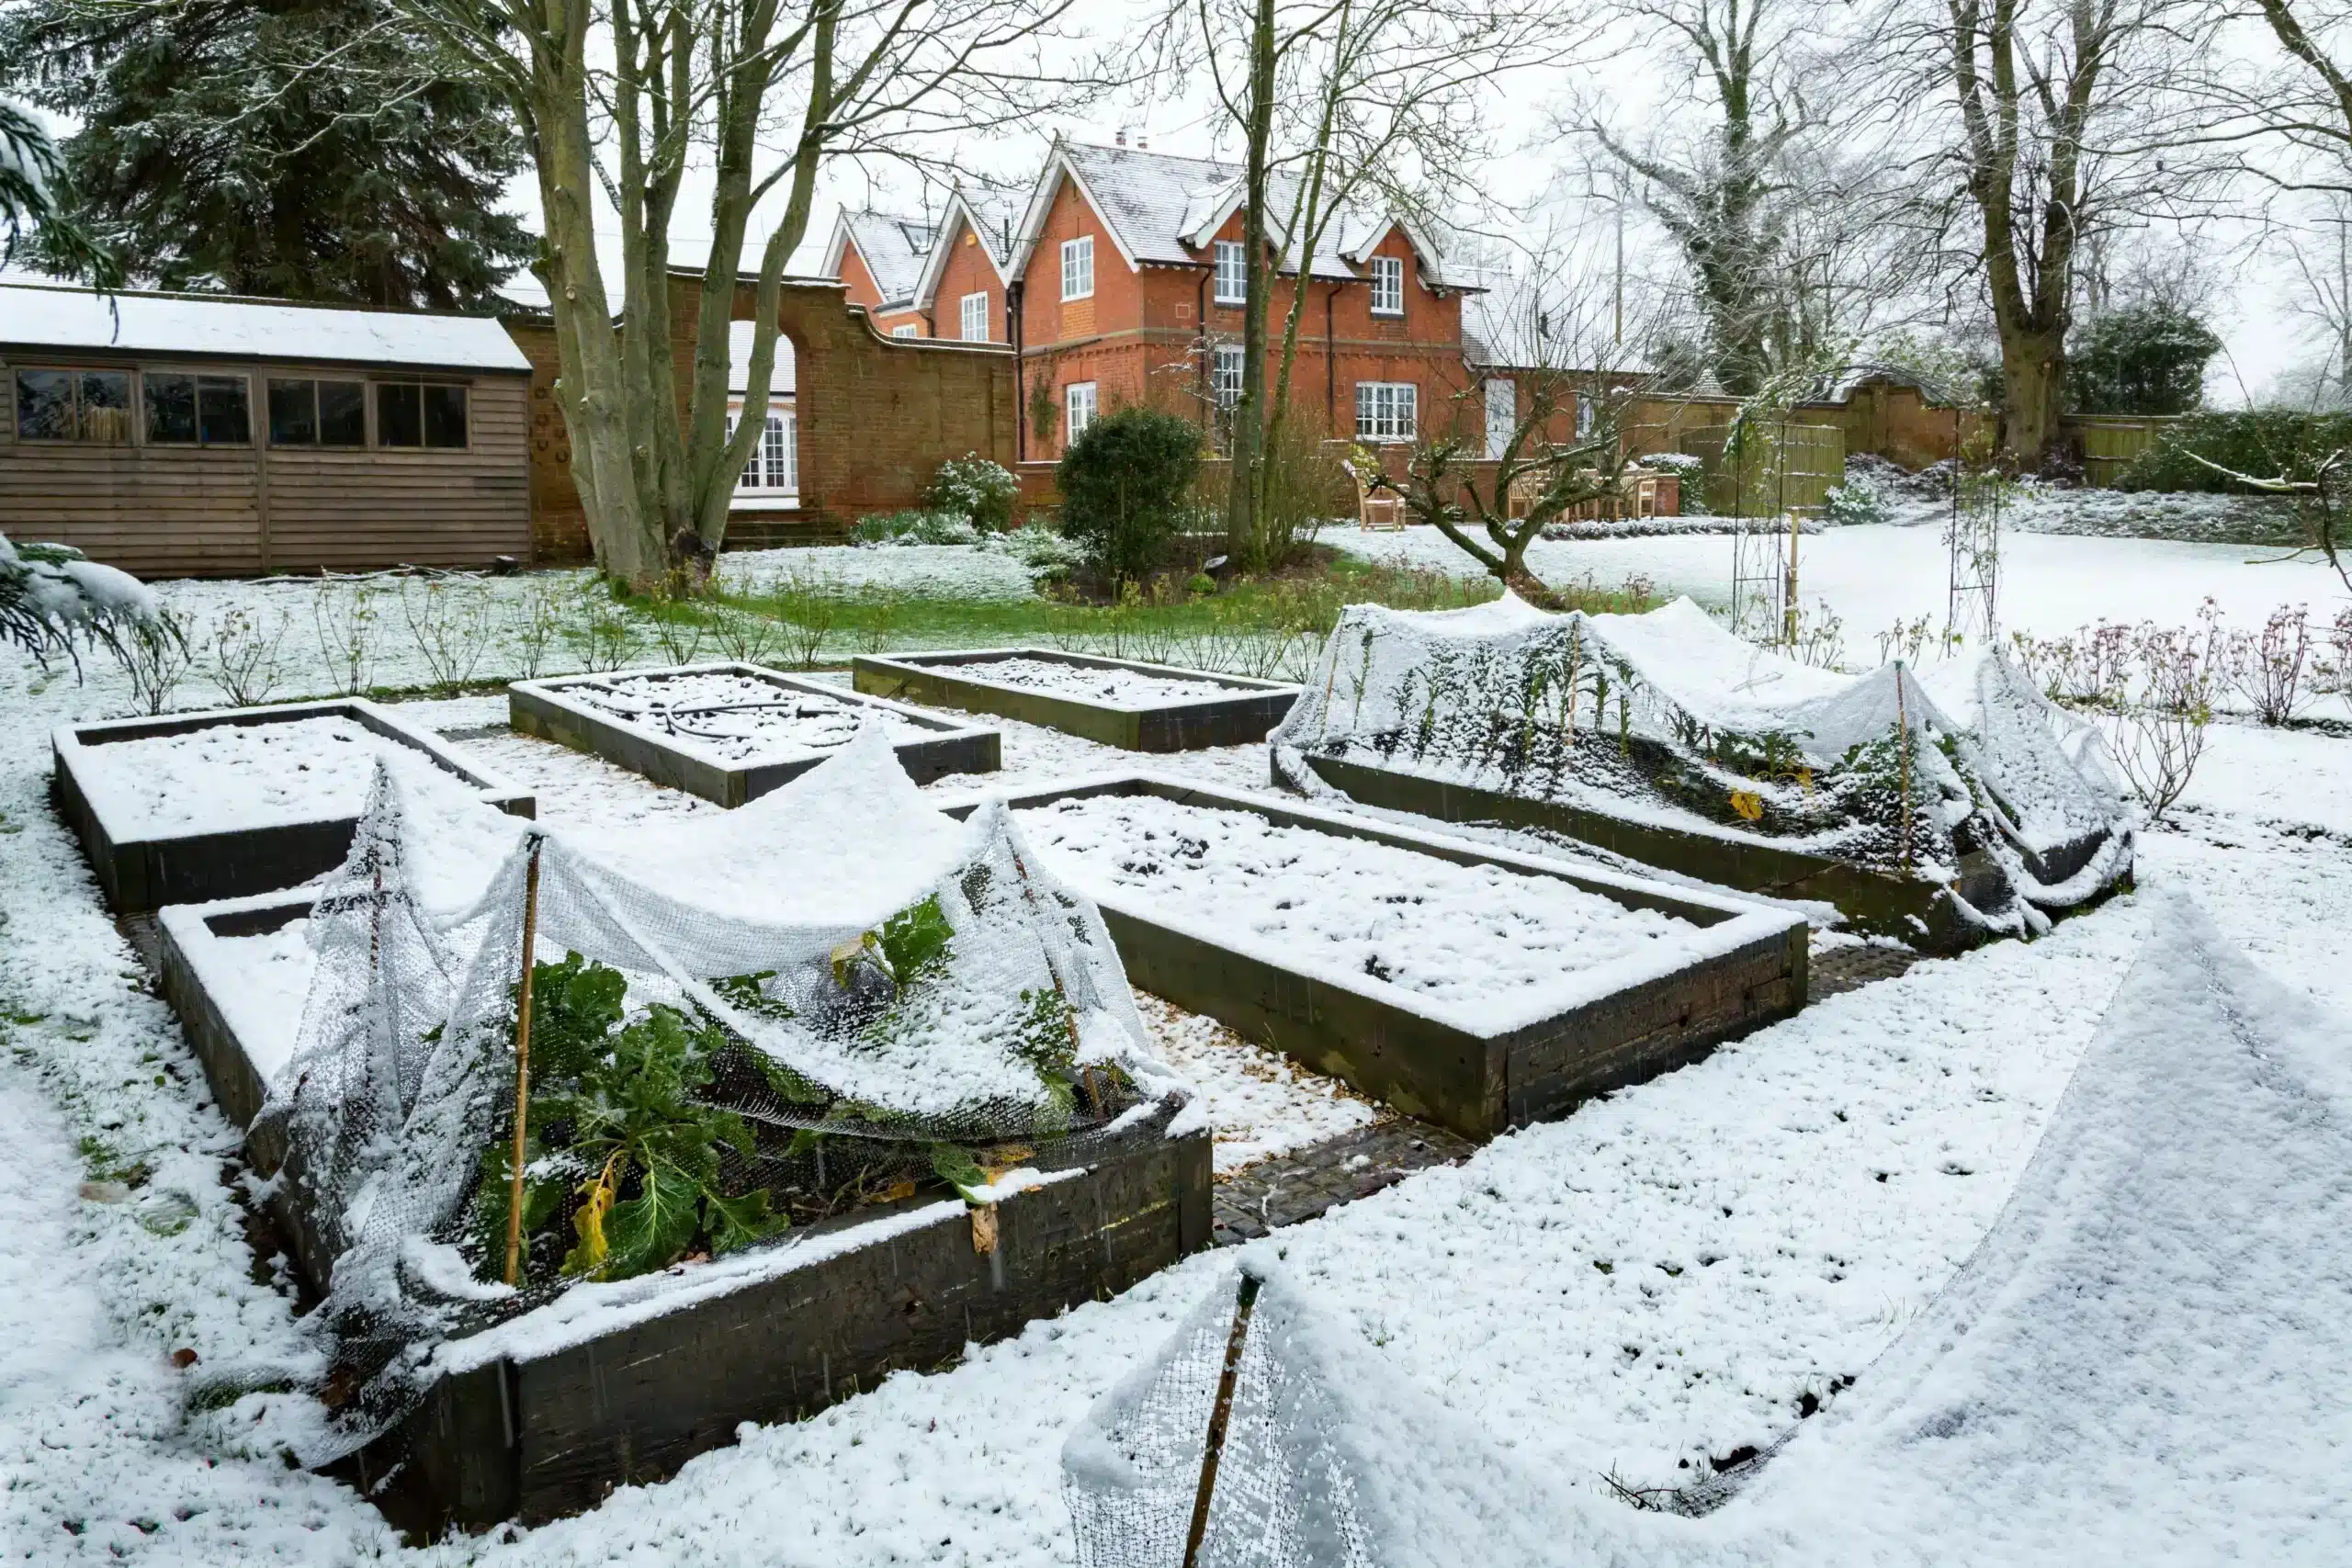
(1840, 1245)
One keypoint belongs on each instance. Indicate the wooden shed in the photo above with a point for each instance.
(178, 435)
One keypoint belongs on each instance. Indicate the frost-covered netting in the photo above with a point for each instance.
(738, 1023)
(1326, 1462)
(1962, 772)
(2150, 1349)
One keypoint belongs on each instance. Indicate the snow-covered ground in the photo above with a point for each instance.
(1657, 1281)
(1873, 577)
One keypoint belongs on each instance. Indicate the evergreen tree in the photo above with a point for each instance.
(2146, 358)
(307, 149)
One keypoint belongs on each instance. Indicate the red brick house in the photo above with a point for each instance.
(1122, 283)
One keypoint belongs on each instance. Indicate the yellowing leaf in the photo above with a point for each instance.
(589, 1255)
(1748, 805)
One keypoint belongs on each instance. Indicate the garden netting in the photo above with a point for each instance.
(1960, 772)
(740, 1023)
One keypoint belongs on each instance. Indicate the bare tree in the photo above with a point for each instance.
(2047, 124)
(1343, 105)
(615, 98)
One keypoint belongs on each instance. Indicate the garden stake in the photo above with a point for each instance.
(1220, 1415)
(1903, 723)
(522, 1064)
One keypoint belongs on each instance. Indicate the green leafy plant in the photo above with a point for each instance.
(615, 1123)
(1123, 482)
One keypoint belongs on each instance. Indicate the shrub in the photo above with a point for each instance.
(1046, 554)
(2263, 443)
(973, 488)
(2142, 359)
(1123, 482)
(914, 528)
(1857, 500)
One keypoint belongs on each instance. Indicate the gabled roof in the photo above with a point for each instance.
(892, 247)
(48, 316)
(1163, 209)
(959, 212)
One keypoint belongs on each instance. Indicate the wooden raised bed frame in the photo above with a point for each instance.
(1478, 1083)
(141, 875)
(1918, 912)
(1242, 714)
(537, 1434)
(542, 708)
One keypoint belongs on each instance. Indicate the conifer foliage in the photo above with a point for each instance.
(308, 149)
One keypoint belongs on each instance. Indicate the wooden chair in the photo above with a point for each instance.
(1376, 510)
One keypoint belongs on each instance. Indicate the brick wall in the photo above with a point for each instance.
(968, 270)
(877, 416)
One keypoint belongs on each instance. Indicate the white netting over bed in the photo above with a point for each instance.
(1960, 773)
(738, 1023)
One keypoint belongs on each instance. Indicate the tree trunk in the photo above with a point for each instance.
(2033, 367)
(1241, 528)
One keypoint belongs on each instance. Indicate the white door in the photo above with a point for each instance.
(1502, 415)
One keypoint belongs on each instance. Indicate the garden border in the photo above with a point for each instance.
(1915, 911)
(534, 1425)
(1240, 719)
(540, 708)
(1445, 1070)
(138, 876)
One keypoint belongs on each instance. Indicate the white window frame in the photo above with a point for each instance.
(907, 328)
(1231, 286)
(1387, 411)
(774, 466)
(1079, 407)
(1078, 267)
(1226, 370)
(970, 307)
(1388, 285)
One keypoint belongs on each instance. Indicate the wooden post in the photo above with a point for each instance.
(1220, 1415)
(522, 1066)
(1903, 724)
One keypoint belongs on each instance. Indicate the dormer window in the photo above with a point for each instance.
(1232, 287)
(1387, 285)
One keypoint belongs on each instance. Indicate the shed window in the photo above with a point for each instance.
(210, 410)
(1387, 285)
(318, 413)
(410, 413)
(73, 405)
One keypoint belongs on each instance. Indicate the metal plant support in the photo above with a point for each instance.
(1973, 548)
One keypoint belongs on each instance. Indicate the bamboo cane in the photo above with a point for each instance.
(1220, 1416)
(522, 1066)
(1903, 723)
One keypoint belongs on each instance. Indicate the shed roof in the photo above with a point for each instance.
(54, 317)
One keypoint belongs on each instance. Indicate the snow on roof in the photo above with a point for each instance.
(1162, 209)
(893, 248)
(993, 243)
(37, 317)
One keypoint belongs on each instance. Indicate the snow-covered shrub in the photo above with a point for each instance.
(155, 656)
(535, 619)
(1680, 463)
(344, 615)
(1856, 501)
(449, 619)
(975, 489)
(2337, 666)
(2158, 733)
(1123, 484)
(741, 635)
(1046, 554)
(913, 527)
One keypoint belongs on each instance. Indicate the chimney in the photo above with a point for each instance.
(1123, 136)
(1143, 142)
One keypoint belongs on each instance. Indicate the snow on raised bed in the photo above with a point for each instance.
(1109, 686)
(1462, 936)
(225, 777)
(730, 719)
(1261, 1103)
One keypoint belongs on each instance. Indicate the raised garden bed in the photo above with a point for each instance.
(544, 1415)
(1912, 909)
(200, 806)
(730, 733)
(1440, 977)
(1115, 702)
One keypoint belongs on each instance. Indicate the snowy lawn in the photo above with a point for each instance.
(1872, 577)
(1662, 1278)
